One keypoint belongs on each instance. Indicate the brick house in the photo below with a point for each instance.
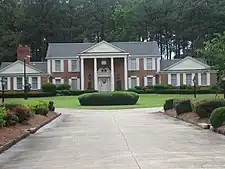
(134, 63)
(14, 71)
(102, 64)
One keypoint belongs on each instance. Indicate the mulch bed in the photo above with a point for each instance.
(8, 134)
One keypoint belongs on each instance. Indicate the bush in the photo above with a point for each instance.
(39, 107)
(186, 87)
(136, 91)
(217, 117)
(49, 87)
(63, 92)
(138, 88)
(11, 119)
(183, 106)
(168, 104)
(22, 112)
(11, 106)
(65, 86)
(3, 114)
(16, 94)
(161, 86)
(149, 87)
(41, 110)
(205, 108)
(80, 92)
(112, 98)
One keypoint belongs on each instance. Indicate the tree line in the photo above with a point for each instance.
(179, 26)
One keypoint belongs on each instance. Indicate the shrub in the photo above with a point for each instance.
(3, 113)
(11, 119)
(65, 86)
(217, 117)
(186, 87)
(11, 106)
(148, 87)
(183, 106)
(136, 91)
(204, 108)
(111, 98)
(80, 92)
(49, 87)
(39, 107)
(16, 94)
(22, 112)
(138, 88)
(168, 104)
(161, 86)
(63, 92)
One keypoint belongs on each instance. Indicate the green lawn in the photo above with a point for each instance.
(145, 100)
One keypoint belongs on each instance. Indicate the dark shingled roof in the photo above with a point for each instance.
(61, 50)
(42, 66)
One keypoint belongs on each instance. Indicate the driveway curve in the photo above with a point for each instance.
(117, 139)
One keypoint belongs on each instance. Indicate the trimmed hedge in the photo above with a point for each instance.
(111, 98)
(168, 104)
(30, 94)
(74, 92)
(63, 87)
(217, 117)
(182, 106)
(204, 108)
(49, 87)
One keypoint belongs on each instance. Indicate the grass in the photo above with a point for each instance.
(145, 101)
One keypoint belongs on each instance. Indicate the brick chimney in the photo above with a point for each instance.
(23, 52)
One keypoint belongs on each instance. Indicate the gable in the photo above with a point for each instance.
(18, 68)
(103, 47)
(188, 63)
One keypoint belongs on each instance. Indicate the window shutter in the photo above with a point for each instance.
(69, 66)
(138, 81)
(8, 83)
(38, 82)
(129, 82)
(62, 65)
(62, 81)
(137, 63)
(178, 79)
(158, 64)
(78, 83)
(169, 79)
(184, 78)
(199, 79)
(153, 64)
(78, 65)
(145, 64)
(145, 81)
(129, 64)
(153, 80)
(208, 79)
(53, 66)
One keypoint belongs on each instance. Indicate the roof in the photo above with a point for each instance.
(42, 66)
(167, 63)
(61, 50)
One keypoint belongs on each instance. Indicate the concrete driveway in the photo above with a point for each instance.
(117, 139)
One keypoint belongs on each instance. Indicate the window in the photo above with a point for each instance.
(133, 64)
(149, 63)
(203, 79)
(34, 83)
(19, 83)
(57, 65)
(74, 84)
(74, 65)
(173, 79)
(149, 80)
(189, 79)
(133, 82)
(57, 81)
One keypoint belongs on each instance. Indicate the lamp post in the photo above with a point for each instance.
(3, 82)
(195, 85)
(26, 85)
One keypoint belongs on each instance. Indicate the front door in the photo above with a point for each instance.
(104, 84)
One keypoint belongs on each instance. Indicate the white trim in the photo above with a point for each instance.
(112, 75)
(53, 81)
(153, 64)
(62, 81)
(169, 78)
(153, 81)
(82, 73)
(208, 79)
(192, 77)
(102, 42)
(145, 81)
(103, 55)
(186, 58)
(70, 83)
(49, 66)
(14, 83)
(178, 79)
(58, 78)
(138, 81)
(158, 64)
(184, 79)
(125, 73)
(62, 66)
(53, 65)
(69, 65)
(199, 79)
(145, 63)
(137, 64)
(95, 74)
(78, 83)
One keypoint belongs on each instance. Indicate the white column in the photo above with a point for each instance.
(82, 73)
(112, 75)
(95, 74)
(158, 64)
(125, 74)
(169, 78)
(184, 78)
(178, 79)
(39, 82)
(208, 79)
(192, 77)
(8, 83)
(199, 79)
(49, 66)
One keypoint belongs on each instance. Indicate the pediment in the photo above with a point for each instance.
(18, 68)
(103, 47)
(188, 63)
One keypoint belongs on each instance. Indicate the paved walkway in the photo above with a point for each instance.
(117, 139)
